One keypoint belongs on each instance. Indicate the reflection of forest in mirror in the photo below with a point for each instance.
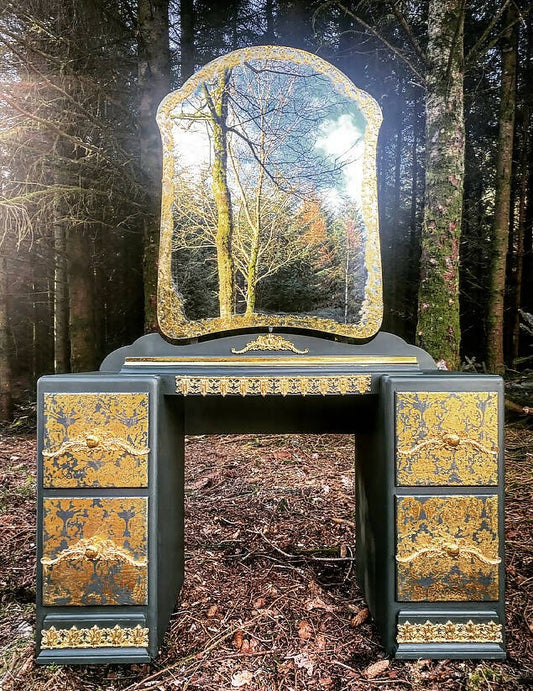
(267, 214)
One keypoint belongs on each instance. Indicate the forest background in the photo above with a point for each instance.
(80, 165)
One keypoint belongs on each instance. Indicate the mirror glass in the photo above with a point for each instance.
(269, 204)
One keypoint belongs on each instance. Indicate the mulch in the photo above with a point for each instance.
(269, 599)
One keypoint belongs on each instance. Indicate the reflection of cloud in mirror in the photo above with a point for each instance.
(192, 147)
(343, 141)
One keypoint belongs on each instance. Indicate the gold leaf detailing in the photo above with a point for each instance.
(95, 439)
(450, 549)
(450, 632)
(447, 548)
(446, 441)
(95, 549)
(447, 438)
(95, 637)
(270, 342)
(91, 441)
(273, 386)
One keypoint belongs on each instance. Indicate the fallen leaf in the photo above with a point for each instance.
(212, 611)
(305, 632)
(321, 642)
(260, 603)
(376, 669)
(318, 603)
(241, 678)
(360, 617)
(238, 639)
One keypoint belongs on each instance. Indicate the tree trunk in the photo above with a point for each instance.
(154, 84)
(61, 306)
(218, 106)
(83, 356)
(6, 398)
(438, 328)
(186, 39)
(502, 207)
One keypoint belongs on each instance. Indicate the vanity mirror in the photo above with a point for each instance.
(269, 212)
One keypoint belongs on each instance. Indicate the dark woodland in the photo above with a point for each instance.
(81, 166)
(80, 195)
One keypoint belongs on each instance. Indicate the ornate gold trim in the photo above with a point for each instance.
(170, 311)
(92, 441)
(448, 549)
(273, 386)
(95, 549)
(269, 361)
(269, 342)
(446, 441)
(450, 632)
(95, 637)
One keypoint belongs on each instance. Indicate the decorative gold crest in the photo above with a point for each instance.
(269, 342)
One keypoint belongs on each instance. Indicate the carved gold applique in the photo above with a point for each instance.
(447, 548)
(270, 342)
(95, 440)
(95, 637)
(450, 632)
(95, 551)
(447, 438)
(273, 386)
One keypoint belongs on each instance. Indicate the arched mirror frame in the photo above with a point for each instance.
(173, 321)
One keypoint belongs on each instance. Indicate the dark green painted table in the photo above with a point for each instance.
(429, 481)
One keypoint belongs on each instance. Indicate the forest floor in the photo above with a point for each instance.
(269, 599)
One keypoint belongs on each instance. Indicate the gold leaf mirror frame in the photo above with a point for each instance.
(173, 321)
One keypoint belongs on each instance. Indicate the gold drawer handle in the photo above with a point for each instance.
(94, 549)
(92, 441)
(449, 549)
(448, 441)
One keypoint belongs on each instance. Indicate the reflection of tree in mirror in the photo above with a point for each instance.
(268, 173)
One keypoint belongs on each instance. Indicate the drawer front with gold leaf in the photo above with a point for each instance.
(446, 438)
(94, 551)
(95, 440)
(447, 548)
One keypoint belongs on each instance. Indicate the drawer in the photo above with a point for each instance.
(447, 548)
(445, 438)
(95, 440)
(94, 551)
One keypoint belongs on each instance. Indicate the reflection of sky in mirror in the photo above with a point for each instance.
(285, 118)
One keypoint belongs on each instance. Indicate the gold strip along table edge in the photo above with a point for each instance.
(266, 361)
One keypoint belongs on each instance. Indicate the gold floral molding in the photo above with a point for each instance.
(95, 637)
(170, 309)
(93, 441)
(270, 342)
(450, 632)
(447, 441)
(273, 386)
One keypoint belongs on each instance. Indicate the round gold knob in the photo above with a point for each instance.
(452, 439)
(91, 551)
(452, 549)
(92, 440)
